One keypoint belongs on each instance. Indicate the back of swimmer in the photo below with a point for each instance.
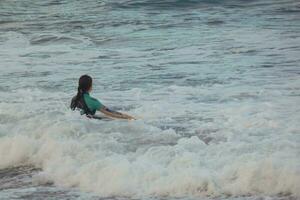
(89, 105)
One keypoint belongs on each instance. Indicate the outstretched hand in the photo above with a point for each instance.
(128, 117)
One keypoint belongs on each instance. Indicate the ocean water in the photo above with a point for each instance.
(215, 85)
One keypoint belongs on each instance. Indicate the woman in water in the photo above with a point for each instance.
(90, 105)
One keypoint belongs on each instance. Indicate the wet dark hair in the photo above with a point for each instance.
(84, 84)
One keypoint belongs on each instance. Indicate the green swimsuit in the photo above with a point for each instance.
(92, 103)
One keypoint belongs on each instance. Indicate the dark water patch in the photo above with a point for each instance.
(264, 65)
(192, 62)
(294, 94)
(209, 81)
(52, 39)
(103, 57)
(192, 19)
(290, 48)
(36, 55)
(166, 76)
(178, 129)
(99, 40)
(293, 10)
(43, 54)
(17, 177)
(215, 22)
(17, 182)
(54, 2)
(167, 49)
(242, 50)
(267, 66)
(68, 25)
(46, 193)
(274, 55)
(148, 49)
(153, 67)
(244, 96)
(168, 4)
(208, 135)
(4, 22)
(250, 52)
(169, 25)
(183, 15)
(291, 71)
(114, 23)
(202, 119)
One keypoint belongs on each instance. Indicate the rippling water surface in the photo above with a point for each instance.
(215, 85)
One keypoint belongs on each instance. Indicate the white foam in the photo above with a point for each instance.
(188, 168)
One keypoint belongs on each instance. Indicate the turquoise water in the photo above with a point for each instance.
(214, 85)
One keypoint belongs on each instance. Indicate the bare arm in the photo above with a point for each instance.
(115, 114)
